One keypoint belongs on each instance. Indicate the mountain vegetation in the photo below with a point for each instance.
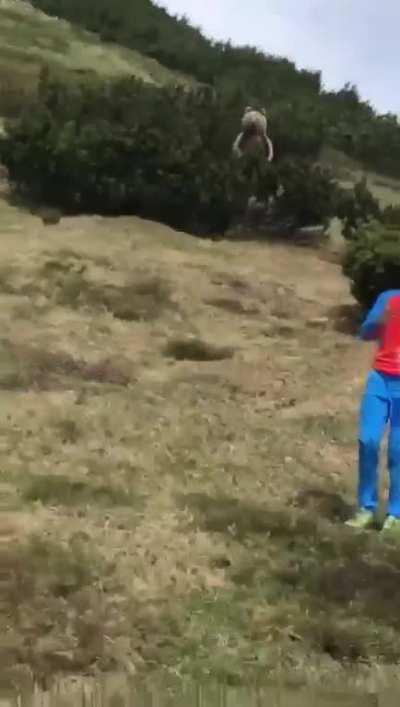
(296, 100)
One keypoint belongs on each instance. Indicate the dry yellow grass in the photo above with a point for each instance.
(178, 422)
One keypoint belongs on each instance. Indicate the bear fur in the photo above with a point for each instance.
(254, 139)
(254, 121)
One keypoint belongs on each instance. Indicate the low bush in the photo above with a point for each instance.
(372, 261)
(356, 207)
(123, 147)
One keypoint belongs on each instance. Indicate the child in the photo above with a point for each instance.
(380, 406)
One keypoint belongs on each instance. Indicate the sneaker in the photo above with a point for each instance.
(362, 520)
(391, 524)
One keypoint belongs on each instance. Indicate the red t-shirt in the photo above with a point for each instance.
(387, 358)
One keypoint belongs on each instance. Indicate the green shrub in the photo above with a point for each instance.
(309, 193)
(372, 261)
(357, 207)
(391, 216)
(126, 148)
(123, 147)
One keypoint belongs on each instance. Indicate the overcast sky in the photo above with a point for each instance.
(348, 40)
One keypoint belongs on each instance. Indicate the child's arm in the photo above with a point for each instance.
(371, 327)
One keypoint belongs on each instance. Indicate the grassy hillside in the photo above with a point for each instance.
(29, 39)
(178, 441)
(349, 171)
(177, 458)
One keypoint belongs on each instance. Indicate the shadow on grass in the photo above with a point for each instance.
(39, 578)
(337, 428)
(225, 514)
(341, 586)
(324, 504)
(145, 297)
(25, 367)
(197, 350)
(61, 490)
(63, 280)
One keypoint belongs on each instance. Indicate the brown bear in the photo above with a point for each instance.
(254, 139)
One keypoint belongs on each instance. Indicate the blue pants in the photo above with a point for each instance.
(380, 406)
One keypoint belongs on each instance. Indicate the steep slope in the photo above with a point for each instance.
(178, 451)
(29, 39)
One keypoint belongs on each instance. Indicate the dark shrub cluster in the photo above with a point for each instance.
(123, 147)
(372, 261)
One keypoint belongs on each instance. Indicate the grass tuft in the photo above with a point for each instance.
(58, 489)
(197, 350)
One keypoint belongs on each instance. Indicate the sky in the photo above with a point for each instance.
(355, 41)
